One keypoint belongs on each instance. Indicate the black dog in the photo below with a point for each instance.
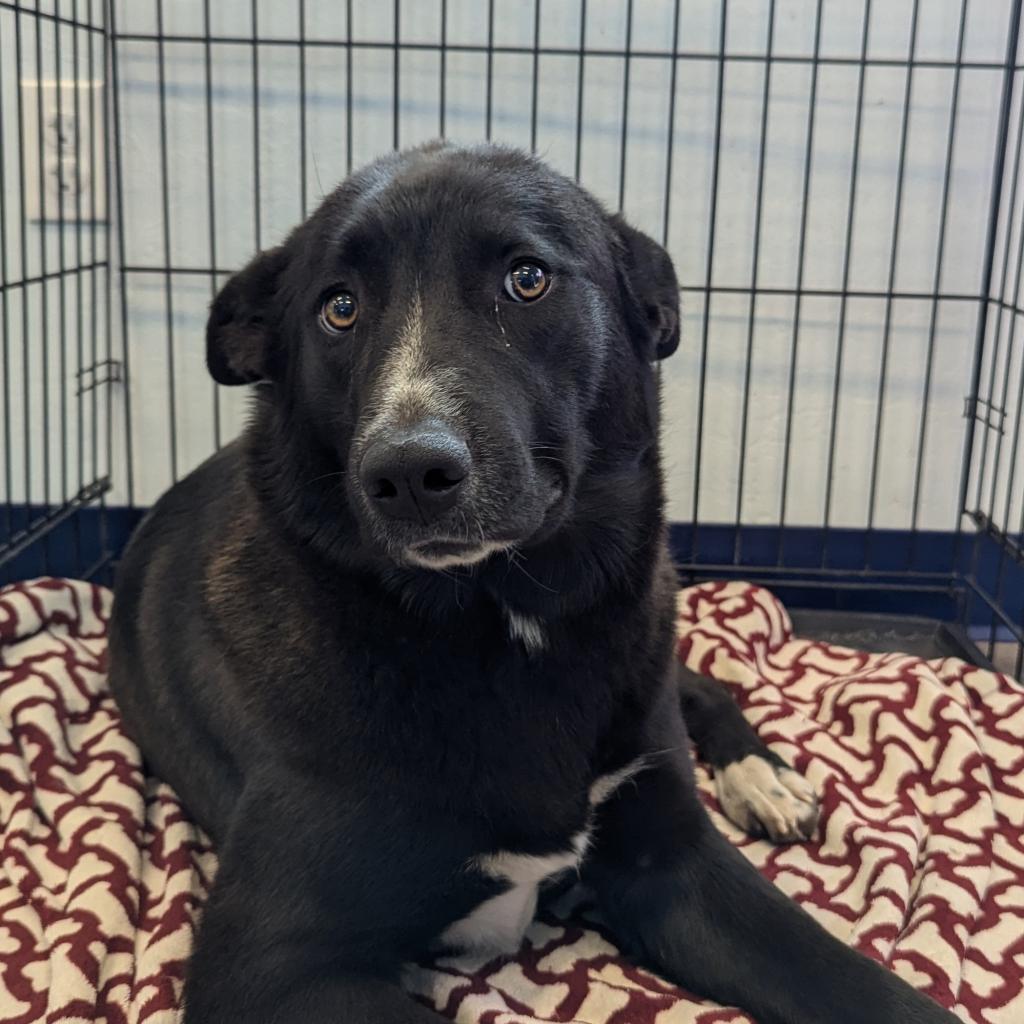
(399, 647)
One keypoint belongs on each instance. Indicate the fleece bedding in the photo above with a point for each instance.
(918, 861)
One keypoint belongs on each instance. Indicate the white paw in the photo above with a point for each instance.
(765, 799)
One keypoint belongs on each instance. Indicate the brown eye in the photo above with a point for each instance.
(526, 282)
(339, 312)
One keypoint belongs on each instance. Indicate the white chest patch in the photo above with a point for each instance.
(497, 925)
(529, 631)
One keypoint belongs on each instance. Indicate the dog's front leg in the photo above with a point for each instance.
(319, 995)
(757, 789)
(681, 898)
(311, 917)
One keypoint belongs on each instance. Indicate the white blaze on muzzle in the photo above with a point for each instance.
(409, 388)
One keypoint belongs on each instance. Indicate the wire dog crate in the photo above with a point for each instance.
(839, 183)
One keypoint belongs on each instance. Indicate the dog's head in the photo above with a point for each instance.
(451, 344)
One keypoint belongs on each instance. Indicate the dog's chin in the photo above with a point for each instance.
(446, 546)
(449, 554)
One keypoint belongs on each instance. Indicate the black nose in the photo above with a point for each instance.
(415, 473)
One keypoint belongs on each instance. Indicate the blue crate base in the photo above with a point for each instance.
(891, 571)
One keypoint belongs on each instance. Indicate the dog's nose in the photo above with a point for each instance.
(416, 473)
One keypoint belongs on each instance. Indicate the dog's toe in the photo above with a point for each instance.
(767, 799)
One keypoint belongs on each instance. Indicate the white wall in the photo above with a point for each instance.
(187, 237)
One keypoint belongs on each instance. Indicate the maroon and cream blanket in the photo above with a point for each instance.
(919, 861)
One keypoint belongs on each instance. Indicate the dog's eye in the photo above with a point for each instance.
(339, 312)
(526, 282)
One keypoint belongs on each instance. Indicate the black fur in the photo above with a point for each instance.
(354, 729)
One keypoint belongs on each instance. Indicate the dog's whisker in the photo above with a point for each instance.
(325, 476)
(517, 561)
(457, 586)
(316, 173)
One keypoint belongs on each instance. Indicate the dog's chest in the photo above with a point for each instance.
(497, 925)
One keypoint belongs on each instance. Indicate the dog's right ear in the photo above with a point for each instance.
(241, 338)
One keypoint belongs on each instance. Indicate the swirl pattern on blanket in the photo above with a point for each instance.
(919, 861)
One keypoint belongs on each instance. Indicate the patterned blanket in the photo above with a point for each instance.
(919, 861)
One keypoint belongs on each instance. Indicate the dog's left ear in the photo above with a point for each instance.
(241, 340)
(651, 289)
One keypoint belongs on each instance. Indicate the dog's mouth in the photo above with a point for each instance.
(446, 554)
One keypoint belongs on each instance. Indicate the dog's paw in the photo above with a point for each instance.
(767, 799)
